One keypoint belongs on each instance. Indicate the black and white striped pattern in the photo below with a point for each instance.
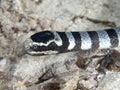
(49, 42)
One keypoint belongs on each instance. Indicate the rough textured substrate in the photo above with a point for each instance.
(20, 18)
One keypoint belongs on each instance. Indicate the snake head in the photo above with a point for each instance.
(43, 43)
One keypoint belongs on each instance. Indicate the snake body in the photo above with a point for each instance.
(52, 42)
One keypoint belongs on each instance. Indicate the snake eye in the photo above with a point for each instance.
(34, 47)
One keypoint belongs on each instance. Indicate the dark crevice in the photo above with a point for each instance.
(40, 79)
(96, 21)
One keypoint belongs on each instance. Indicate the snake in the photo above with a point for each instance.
(56, 42)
